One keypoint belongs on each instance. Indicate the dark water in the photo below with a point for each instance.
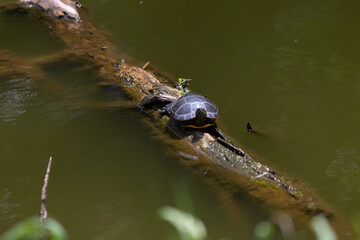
(289, 67)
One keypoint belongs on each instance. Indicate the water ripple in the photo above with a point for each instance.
(7, 206)
(345, 168)
(340, 165)
(16, 96)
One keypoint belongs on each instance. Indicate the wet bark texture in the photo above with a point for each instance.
(221, 164)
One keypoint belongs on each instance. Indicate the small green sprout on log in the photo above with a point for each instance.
(183, 84)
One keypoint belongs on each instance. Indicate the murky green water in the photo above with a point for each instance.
(290, 68)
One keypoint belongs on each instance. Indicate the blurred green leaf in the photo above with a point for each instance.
(322, 228)
(30, 229)
(264, 230)
(356, 224)
(56, 230)
(188, 227)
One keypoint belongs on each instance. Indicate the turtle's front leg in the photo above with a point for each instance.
(217, 133)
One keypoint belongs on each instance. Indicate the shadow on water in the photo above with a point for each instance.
(24, 37)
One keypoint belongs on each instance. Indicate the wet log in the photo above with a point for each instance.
(222, 163)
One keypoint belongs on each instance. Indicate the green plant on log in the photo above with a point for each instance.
(183, 85)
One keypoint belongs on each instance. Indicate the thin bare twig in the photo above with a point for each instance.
(43, 212)
(145, 65)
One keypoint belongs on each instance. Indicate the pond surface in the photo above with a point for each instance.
(290, 68)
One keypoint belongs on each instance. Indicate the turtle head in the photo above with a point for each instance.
(200, 117)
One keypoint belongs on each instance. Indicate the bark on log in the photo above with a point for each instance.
(219, 163)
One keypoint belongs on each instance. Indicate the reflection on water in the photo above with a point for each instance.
(16, 95)
(7, 206)
(339, 167)
(344, 167)
(59, 112)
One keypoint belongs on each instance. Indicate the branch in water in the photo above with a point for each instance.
(43, 212)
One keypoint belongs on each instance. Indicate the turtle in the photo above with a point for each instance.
(193, 110)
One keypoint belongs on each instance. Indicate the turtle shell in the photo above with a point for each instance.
(185, 107)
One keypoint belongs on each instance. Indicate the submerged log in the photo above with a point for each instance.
(221, 162)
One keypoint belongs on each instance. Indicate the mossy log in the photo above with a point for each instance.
(221, 163)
